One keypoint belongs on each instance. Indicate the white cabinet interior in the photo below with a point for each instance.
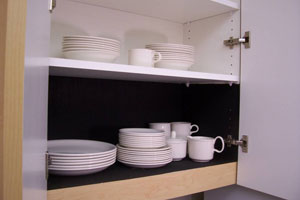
(205, 31)
(203, 24)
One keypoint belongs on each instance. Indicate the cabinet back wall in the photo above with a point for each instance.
(95, 109)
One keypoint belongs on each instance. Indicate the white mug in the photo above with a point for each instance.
(184, 129)
(164, 126)
(143, 57)
(201, 149)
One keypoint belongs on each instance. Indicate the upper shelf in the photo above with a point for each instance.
(180, 11)
(87, 69)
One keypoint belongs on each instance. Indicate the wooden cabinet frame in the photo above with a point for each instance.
(12, 43)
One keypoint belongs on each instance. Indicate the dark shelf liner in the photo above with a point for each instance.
(118, 172)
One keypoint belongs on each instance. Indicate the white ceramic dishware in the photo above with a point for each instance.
(143, 57)
(184, 129)
(178, 146)
(79, 157)
(90, 48)
(164, 126)
(201, 149)
(174, 56)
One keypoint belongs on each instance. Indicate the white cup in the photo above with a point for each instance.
(164, 126)
(183, 129)
(143, 57)
(201, 149)
(178, 147)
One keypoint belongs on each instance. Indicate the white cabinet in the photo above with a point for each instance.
(269, 109)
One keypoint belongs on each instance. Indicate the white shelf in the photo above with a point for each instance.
(87, 69)
(180, 11)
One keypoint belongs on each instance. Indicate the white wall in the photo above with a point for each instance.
(237, 193)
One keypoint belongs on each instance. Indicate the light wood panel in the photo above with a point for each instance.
(163, 186)
(12, 41)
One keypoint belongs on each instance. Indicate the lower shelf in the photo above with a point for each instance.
(162, 186)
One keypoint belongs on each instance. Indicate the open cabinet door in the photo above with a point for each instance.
(270, 98)
(35, 100)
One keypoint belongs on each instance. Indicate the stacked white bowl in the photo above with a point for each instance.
(91, 48)
(143, 148)
(174, 56)
(79, 157)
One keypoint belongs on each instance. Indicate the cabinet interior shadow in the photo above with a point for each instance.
(95, 109)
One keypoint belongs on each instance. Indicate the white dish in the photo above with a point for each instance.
(165, 148)
(90, 37)
(79, 148)
(79, 163)
(70, 167)
(105, 47)
(171, 45)
(76, 172)
(91, 56)
(145, 166)
(82, 158)
(144, 158)
(90, 42)
(99, 50)
(137, 153)
(174, 64)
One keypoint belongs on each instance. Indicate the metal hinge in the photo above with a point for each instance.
(242, 142)
(235, 41)
(47, 163)
(52, 5)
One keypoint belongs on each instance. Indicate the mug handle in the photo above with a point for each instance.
(223, 145)
(197, 129)
(159, 57)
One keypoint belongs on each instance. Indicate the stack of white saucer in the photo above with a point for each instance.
(79, 157)
(143, 148)
(174, 56)
(91, 48)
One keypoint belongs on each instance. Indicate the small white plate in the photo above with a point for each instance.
(165, 148)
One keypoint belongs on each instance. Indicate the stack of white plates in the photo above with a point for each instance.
(79, 157)
(174, 56)
(142, 138)
(143, 148)
(91, 48)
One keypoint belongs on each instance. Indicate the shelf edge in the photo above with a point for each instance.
(165, 186)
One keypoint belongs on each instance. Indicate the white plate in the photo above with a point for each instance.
(144, 158)
(174, 64)
(76, 172)
(141, 132)
(100, 50)
(171, 49)
(138, 165)
(80, 166)
(91, 56)
(137, 153)
(89, 43)
(90, 38)
(108, 48)
(143, 146)
(165, 148)
(82, 158)
(79, 147)
(86, 162)
(171, 45)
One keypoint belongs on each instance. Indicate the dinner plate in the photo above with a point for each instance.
(153, 153)
(99, 50)
(90, 37)
(97, 56)
(87, 166)
(86, 162)
(76, 172)
(79, 148)
(165, 148)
